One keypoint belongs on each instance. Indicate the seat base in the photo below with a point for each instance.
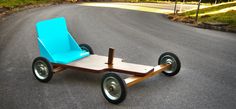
(68, 57)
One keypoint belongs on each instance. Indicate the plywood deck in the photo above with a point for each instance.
(98, 64)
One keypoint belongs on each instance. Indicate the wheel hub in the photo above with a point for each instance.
(112, 88)
(169, 60)
(41, 70)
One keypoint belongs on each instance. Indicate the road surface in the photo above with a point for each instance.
(207, 79)
(164, 8)
(167, 6)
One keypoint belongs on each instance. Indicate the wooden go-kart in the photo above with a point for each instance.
(59, 51)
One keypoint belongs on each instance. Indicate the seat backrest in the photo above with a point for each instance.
(54, 35)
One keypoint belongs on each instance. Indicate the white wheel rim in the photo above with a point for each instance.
(85, 49)
(167, 59)
(41, 70)
(112, 88)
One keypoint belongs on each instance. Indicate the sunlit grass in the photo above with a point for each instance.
(227, 17)
(210, 9)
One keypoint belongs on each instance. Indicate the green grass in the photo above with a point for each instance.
(19, 3)
(227, 17)
(210, 9)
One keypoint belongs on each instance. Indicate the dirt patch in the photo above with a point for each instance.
(183, 19)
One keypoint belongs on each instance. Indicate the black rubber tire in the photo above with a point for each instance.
(122, 85)
(87, 48)
(178, 63)
(49, 67)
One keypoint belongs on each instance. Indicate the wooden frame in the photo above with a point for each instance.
(99, 64)
(130, 81)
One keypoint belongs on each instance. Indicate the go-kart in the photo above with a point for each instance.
(59, 51)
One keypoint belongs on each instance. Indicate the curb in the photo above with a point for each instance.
(220, 27)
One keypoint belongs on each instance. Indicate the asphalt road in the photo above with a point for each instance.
(207, 79)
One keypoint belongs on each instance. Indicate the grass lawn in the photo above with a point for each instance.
(227, 17)
(211, 14)
(210, 9)
(18, 3)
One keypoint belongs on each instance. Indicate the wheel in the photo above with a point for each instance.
(113, 88)
(87, 48)
(170, 58)
(42, 69)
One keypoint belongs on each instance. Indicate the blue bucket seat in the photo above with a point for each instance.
(56, 43)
